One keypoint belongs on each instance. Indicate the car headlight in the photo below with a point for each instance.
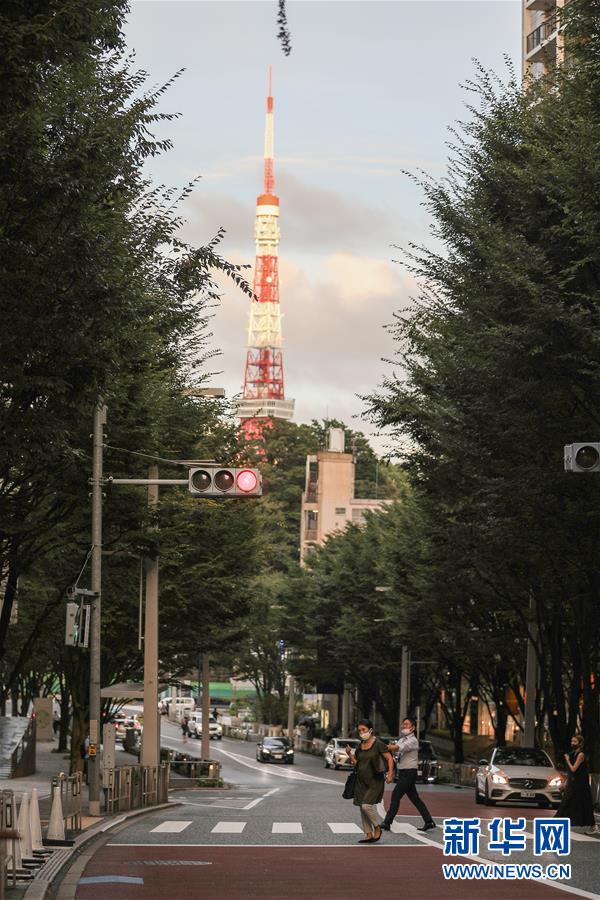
(264, 750)
(499, 778)
(289, 751)
(556, 781)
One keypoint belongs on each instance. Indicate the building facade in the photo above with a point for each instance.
(543, 41)
(328, 501)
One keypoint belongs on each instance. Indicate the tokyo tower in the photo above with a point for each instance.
(263, 397)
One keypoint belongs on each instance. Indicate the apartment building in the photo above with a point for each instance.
(543, 41)
(328, 501)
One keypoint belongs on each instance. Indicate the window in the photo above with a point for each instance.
(340, 510)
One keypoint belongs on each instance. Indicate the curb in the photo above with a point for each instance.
(49, 873)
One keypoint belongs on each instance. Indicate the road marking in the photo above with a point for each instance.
(291, 776)
(287, 828)
(344, 828)
(111, 879)
(297, 846)
(260, 799)
(228, 828)
(172, 827)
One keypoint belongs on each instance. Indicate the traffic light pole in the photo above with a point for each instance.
(404, 686)
(95, 642)
(150, 755)
(205, 706)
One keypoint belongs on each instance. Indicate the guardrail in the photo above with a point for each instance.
(195, 769)
(70, 798)
(8, 839)
(135, 787)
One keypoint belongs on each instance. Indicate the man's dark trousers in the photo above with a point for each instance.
(407, 780)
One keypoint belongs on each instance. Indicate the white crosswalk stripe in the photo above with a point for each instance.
(287, 828)
(229, 828)
(172, 827)
(345, 828)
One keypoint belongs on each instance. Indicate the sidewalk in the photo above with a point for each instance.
(49, 763)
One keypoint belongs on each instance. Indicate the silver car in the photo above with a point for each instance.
(335, 753)
(518, 774)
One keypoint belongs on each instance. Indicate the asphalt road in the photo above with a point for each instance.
(285, 832)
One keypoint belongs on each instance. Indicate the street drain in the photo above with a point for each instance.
(169, 862)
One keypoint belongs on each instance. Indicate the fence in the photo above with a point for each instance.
(135, 787)
(8, 838)
(70, 797)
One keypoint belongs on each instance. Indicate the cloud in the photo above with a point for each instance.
(313, 218)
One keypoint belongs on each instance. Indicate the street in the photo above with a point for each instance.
(285, 831)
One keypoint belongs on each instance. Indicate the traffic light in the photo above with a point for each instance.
(583, 457)
(220, 481)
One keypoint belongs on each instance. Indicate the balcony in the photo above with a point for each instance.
(538, 41)
(540, 4)
(311, 534)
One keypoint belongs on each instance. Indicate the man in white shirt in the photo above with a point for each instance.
(408, 764)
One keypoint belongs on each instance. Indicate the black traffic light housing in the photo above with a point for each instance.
(222, 481)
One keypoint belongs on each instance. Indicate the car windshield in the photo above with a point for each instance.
(521, 756)
(275, 742)
(425, 750)
(343, 743)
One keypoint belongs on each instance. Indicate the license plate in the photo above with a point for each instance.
(528, 794)
(277, 756)
(419, 771)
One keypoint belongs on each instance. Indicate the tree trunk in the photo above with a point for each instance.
(457, 718)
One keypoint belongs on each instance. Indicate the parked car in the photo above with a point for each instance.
(274, 749)
(335, 753)
(522, 774)
(215, 730)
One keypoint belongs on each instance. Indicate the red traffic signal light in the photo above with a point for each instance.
(220, 481)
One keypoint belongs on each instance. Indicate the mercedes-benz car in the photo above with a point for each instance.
(274, 749)
(335, 753)
(518, 774)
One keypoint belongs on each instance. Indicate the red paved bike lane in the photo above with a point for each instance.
(297, 873)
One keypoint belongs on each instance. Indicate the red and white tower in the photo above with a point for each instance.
(263, 398)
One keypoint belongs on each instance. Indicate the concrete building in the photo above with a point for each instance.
(328, 501)
(543, 41)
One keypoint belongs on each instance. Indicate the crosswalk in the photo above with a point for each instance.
(178, 826)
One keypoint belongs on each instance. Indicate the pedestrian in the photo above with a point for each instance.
(84, 752)
(215, 712)
(577, 804)
(185, 728)
(408, 764)
(374, 767)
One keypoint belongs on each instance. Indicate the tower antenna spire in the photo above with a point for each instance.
(263, 398)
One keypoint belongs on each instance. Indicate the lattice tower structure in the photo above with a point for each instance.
(263, 397)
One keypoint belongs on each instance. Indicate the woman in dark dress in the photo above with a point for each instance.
(577, 804)
(374, 767)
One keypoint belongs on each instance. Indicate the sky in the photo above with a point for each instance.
(364, 100)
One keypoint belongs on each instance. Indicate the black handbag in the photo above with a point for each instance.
(348, 792)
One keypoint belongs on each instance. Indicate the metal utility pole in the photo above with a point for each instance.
(205, 706)
(346, 711)
(95, 674)
(291, 707)
(150, 755)
(404, 685)
(530, 678)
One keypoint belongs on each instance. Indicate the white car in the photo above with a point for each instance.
(215, 730)
(518, 774)
(335, 752)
